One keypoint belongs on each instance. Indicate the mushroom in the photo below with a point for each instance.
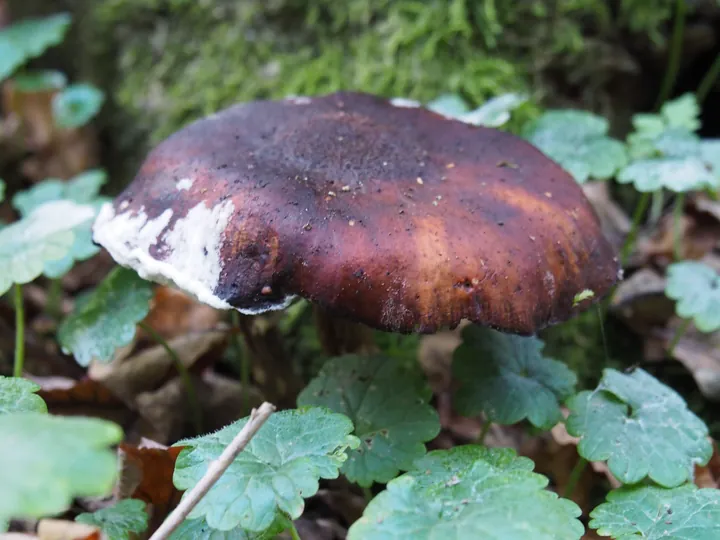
(388, 215)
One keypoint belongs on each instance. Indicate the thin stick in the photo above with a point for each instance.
(184, 375)
(214, 472)
(675, 54)
(709, 80)
(19, 332)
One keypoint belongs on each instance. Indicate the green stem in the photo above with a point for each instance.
(575, 476)
(677, 226)
(242, 358)
(367, 493)
(675, 53)
(656, 207)
(184, 375)
(708, 80)
(678, 334)
(19, 332)
(54, 299)
(484, 432)
(293, 531)
(637, 218)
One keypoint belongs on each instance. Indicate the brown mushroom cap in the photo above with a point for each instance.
(393, 216)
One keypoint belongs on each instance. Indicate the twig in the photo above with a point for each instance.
(214, 472)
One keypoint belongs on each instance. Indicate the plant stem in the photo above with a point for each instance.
(19, 332)
(293, 532)
(483, 433)
(214, 472)
(242, 359)
(678, 334)
(637, 218)
(656, 207)
(708, 80)
(184, 375)
(677, 226)
(54, 299)
(575, 475)
(675, 53)
(367, 493)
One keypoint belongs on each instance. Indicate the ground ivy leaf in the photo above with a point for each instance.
(120, 520)
(46, 461)
(495, 112)
(76, 105)
(18, 395)
(198, 529)
(696, 287)
(640, 427)
(28, 39)
(278, 469)
(469, 492)
(107, 319)
(578, 141)
(450, 105)
(392, 421)
(679, 174)
(656, 513)
(506, 377)
(44, 235)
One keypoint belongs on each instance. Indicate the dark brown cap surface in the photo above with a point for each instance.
(393, 216)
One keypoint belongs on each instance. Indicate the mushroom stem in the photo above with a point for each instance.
(339, 336)
(272, 369)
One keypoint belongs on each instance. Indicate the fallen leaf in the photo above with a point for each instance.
(614, 221)
(174, 313)
(58, 529)
(708, 476)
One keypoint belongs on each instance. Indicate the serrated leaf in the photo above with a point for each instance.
(640, 427)
(507, 378)
(118, 521)
(45, 235)
(710, 153)
(198, 529)
(107, 319)
(76, 105)
(278, 468)
(469, 492)
(682, 112)
(696, 287)
(578, 140)
(496, 111)
(393, 421)
(655, 513)
(46, 461)
(18, 395)
(28, 39)
(676, 174)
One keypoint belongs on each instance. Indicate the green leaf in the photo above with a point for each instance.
(682, 112)
(495, 112)
(198, 529)
(578, 141)
(28, 39)
(710, 153)
(450, 105)
(393, 421)
(45, 235)
(506, 377)
(656, 513)
(118, 521)
(469, 492)
(278, 468)
(46, 461)
(640, 427)
(675, 173)
(76, 105)
(106, 320)
(39, 81)
(18, 395)
(696, 287)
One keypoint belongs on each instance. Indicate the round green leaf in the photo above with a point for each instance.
(675, 173)
(76, 105)
(108, 318)
(469, 492)
(507, 378)
(656, 513)
(28, 39)
(46, 461)
(198, 529)
(393, 421)
(120, 520)
(45, 235)
(274, 473)
(640, 427)
(578, 141)
(696, 287)
(18, 395)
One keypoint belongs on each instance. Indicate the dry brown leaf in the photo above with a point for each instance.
(708, 476)
(615, 223)
(174, 313)
(58, 529)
